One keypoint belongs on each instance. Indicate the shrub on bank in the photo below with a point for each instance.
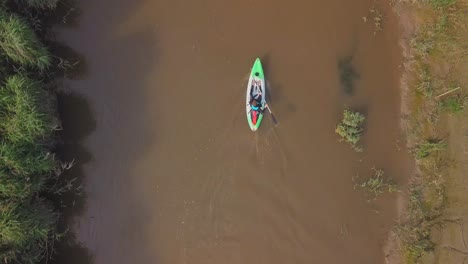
(28, 169)
(42, 4)
(20, 44)
(442, 3)
(19, 187)
(438, 43)
(25, 159)
(25, 229)
(25, 110)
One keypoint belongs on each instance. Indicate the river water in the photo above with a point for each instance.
(172, 174)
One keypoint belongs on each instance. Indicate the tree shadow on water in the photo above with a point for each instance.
(71, 252)
(66, 13)
(124, 63)
(69, 63)
(77, 123)
(348, 74)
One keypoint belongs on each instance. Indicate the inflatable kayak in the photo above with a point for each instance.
(256, 96)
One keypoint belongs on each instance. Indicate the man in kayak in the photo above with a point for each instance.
(255, 105)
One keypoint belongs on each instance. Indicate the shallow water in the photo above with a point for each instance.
(172, 172)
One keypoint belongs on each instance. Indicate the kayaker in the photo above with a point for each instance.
(254, 105)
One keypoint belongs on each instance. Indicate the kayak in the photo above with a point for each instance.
(256, 96)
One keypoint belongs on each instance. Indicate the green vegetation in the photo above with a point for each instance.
(427, 201)
(28, 120)
(427, 147)
(442, 3)
(377, 185)
(350, 128)
(25, 159)
(20, 44)
(439, 50)
(25, 110)
(415, 233)
(454, 104)
(25, 229)
(426, 85)
(42, 4)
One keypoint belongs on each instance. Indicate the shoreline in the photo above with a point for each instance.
(407, 27)
(32, 183)
(427, 199)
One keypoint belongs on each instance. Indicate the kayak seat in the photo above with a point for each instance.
(254, 117)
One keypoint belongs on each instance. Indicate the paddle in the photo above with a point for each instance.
(272, 115)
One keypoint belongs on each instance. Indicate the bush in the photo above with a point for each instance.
(377, 185)
(26, 159)
(27, 121)
(425, 84)
(350, 128)
(442, 3)
(42, 4)
(26, 114)
(25, 230)
(428, 147)
(19, 187)
(454, 104)
(415, 233)
(20, 43)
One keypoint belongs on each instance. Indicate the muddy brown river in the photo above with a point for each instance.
(172, 174)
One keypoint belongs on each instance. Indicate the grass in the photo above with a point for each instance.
(426, 84)
(438, 53)
(454, 104)
(426, 205)
(26, 159)
(442, 3)
(350, 128)
(20, 187)
(25, 110)
(28, 120)
(426, 148)
(427, 200)
(377, 184)
(26, 227)
(416, 231)
(19, 43)
(42, 4)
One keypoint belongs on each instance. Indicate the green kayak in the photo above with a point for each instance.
(256, 96)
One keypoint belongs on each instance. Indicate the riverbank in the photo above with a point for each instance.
(29, 123)
(434, 117)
